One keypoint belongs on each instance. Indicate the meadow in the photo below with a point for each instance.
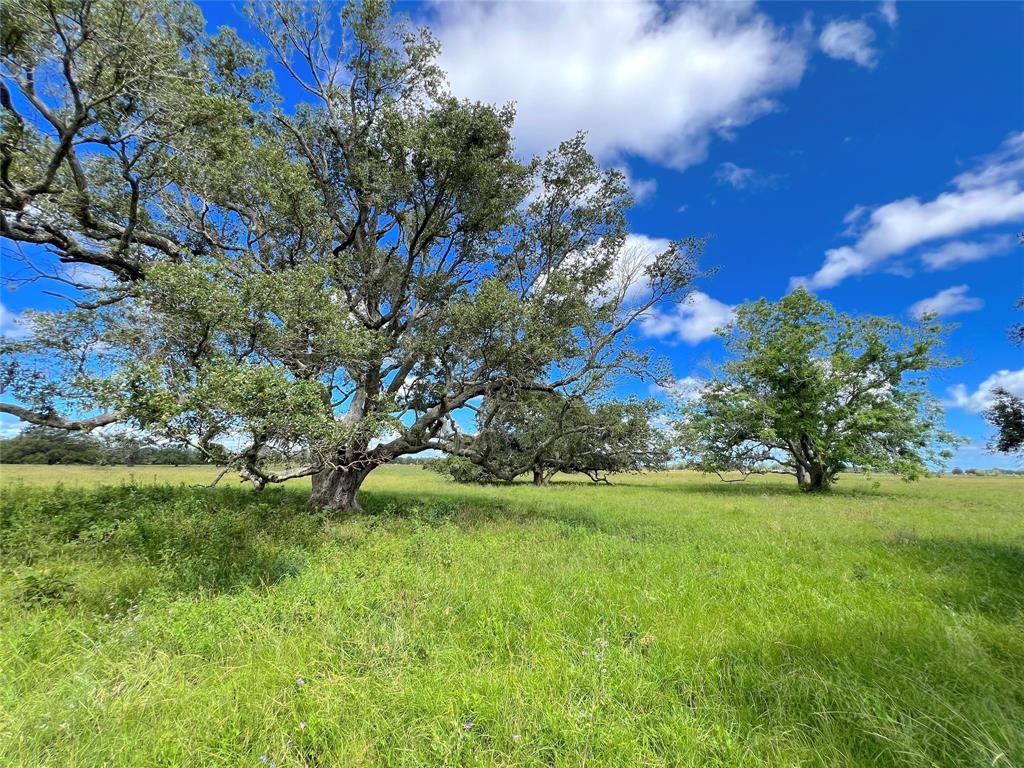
(667, 620)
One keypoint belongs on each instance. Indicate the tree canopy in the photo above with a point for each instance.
(1006, 414)
(544, 434)
(810, 392)
(331, 280)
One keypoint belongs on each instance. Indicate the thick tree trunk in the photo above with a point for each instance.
(539, 478)
(812, 479)
(336, 489)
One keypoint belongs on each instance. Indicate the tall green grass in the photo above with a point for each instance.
(666, 621)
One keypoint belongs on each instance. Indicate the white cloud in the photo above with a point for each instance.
(735, 176)
(692, 320)
(958, 252)
(10, 426)
(888, 11)
(744, 178)
(641, 189)
(13, 325)
(643, 78)
(688, 388)
(989, 195)
(637, 252)
(951, 301)
(849, 39)
(982, 397)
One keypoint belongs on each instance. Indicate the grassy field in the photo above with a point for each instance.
(666, 621)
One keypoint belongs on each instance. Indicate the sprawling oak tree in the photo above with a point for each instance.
(810, 392)
(543, 433)
(332, 280)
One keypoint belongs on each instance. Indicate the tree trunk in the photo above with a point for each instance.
(812, 479)
(336, 489)
(539, 478)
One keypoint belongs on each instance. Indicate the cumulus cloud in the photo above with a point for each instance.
(982, 398)
(643, 78)
(958, 252)
(693, 320)
(951, 301)
(637, 252)
(641, 189)
(988, 195)
(849, 39)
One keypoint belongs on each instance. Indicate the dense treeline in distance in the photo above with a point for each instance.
(40, 445)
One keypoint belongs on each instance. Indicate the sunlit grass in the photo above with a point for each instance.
(668, 620)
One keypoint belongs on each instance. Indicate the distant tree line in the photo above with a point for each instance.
(986, 472)
(42, 445)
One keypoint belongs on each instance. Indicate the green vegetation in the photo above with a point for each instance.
(545, 434)
(331, 280)
(811, 392)
(667, 620)
(42, 445)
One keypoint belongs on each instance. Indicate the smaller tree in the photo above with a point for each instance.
(544, 433)
(811, 392)
(1006, 414)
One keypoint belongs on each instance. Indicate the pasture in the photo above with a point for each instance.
(668, 620)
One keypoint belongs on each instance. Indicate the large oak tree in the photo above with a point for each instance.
(332, 279)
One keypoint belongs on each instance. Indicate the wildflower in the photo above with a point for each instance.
(302, 725)
(584, 651)
(468, 725)
(263, 759)
(604, 670)
(516, 737)
(301, 681)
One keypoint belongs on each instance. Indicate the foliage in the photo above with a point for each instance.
(665, 620)
(331, 281)
(43, 445)
(1006, 414)
(460, 470)
(810, 392)
(545, 433)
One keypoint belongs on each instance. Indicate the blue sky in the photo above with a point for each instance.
(873, 152)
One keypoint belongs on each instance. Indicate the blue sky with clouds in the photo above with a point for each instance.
(873, 152)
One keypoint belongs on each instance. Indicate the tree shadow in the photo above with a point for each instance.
(904, 696)
(102, 548)
(760, 486)
(966, 576)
